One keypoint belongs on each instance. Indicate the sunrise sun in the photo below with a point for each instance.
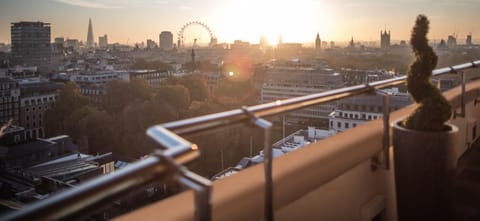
(294, 21)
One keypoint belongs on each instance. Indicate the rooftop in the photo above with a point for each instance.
(349, 176)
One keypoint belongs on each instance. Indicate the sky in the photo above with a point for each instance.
(135, 21)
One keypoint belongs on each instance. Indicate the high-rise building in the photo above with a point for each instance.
(452, 41)
(72, 44)
(166, 40)
(469, 40)
(318, 42)
(58, 45)
(213, 42)
(151, 44)
(90, 41)
(332, 44)
(103, 41)
(384, 39)
(30, 43)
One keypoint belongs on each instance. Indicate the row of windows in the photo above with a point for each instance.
(39, 100)
(96, 78)
(27, 117)
(8, 113)
(358, 116)
(8, 106)
(91, 92)
(8, 86)
(346, 125)
(34, 124)
(8, 99)
(361, 107)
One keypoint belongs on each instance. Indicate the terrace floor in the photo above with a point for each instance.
(467, 185)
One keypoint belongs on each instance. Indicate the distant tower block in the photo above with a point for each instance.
(469, 40)
(318, 42)
(166, 40)
(103, 41)
(213, 42)
(30, 43)
(90, 41)
(384, 39)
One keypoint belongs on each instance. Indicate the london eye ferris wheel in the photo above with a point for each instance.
(183, 37)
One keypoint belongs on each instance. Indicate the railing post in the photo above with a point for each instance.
(386, 130)
(462, 97)
(384, 162)
(202, 187)
(175, 145)
(267, 153)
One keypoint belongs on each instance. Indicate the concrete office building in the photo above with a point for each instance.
(292, 79)
(166, 40)
(30, 43)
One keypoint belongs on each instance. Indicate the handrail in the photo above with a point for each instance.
(80, 201)
(211, 121)
(90, 195)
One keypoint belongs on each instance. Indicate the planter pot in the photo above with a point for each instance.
(424, 172)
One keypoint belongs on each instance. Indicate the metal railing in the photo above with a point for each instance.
(174, 151)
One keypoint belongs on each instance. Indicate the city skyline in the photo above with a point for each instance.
(296, 21)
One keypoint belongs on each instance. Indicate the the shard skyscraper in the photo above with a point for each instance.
(90, 42)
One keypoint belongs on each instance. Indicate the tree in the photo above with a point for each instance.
(120, 94)
(197, 87)
(69, 100)
(134, 121)
(99, 128)
(198, 108)
(176, 95)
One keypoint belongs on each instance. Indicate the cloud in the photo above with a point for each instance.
(88, 3)
(111, 4)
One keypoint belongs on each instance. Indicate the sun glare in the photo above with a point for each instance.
(294, 21)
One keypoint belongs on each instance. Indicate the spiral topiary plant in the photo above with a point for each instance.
(433, 109)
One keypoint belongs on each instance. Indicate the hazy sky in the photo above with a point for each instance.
(296, 20)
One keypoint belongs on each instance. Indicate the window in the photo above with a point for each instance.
(347, 125)
(339, 124)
